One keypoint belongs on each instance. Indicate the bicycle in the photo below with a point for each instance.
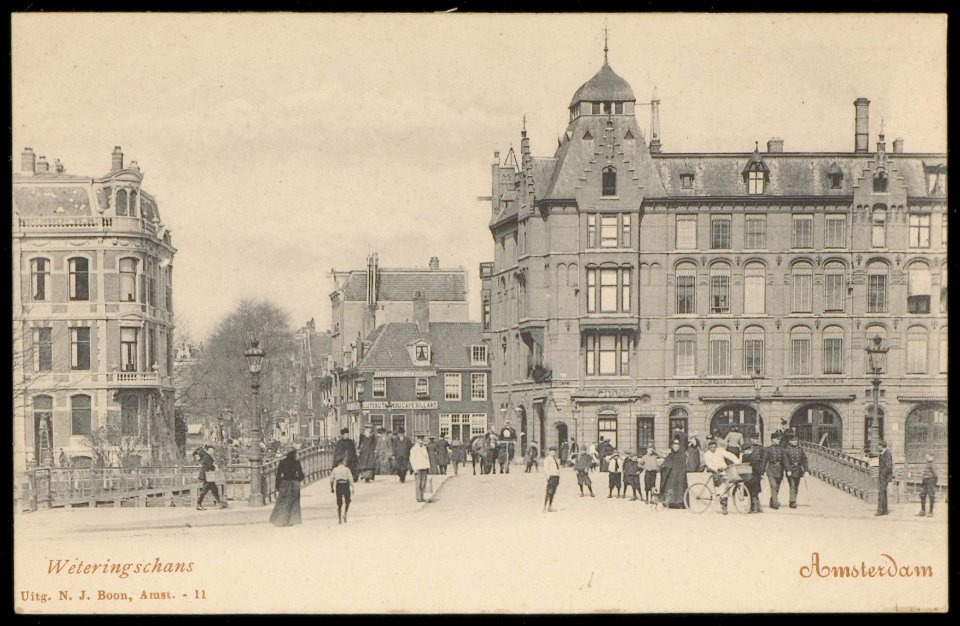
(700, 496)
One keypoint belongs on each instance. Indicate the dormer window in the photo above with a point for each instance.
(835, 180)
(609, 181)
(618, 108)
(596, 108)
(880, 182)
(755, 180)
(686, 181)
(478, 355)
(422, 352)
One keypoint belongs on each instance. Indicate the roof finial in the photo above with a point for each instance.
(881, 127)
(756, 146)
(524, 126)
(604, 41)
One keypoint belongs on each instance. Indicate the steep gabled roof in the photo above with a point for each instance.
(449, 345)
(404, 284)
(605, 86)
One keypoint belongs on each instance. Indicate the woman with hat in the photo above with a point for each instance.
(286, 512)
(673, 473)
(367, 451)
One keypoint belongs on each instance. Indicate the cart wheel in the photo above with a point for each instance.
(741, 498)
(698, 497)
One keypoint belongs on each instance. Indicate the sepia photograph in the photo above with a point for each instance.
(577, 313)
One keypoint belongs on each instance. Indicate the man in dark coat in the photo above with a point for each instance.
(673, 473)
(604, 450)
(584, 461)
(345, 450)
(367, 451)
(401, 454)
(564, 452)
(443, 454)
(203, 457)
(432, 455)
(773, 467)
(795, 466)
(507, 446)
(754, 456)
(884, 478)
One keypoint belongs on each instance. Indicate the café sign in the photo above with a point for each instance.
(422, 404)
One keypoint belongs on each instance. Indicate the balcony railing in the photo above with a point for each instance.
(81, 222)
(136, 379)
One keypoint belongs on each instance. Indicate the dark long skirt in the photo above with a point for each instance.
(286, 512)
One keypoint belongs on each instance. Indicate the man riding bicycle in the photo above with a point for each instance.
(717, 461)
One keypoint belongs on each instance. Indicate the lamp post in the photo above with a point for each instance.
(757, 378)
(254, 358)
(876, 354)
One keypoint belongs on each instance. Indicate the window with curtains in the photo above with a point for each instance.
(801, 275)
(754, 288)
(833, 350)
(800, 353)
(876, 287)
(128, 349)
(451, 386)
(719, 288)
(478, 386)
(755, 232)
(833, 286)
(686, 288)
(917, 350)
(720, 232)
(39, 278)
(753, 351)
(128, 279)
(918, 288)
(719, 352)
(802, 231)
(836, 231)
(379, 387)
(685, 352)
(607, 354)
(686, 232)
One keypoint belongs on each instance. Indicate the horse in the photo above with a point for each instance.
(484, 448)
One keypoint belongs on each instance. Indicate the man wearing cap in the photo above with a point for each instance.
(615, 469)
(884, 478)
(401, 454)
(345, 450)
(420, 463)
(754, 456)
(631, 475)
(795, 466)
(772, 465)
(928, 485)
(551, 468)
(717, 461)
(207, 467)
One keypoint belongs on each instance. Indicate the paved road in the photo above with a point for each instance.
(485, 545)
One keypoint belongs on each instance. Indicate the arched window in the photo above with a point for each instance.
(39, 278)
(926, 432)
(79, 268)
(128, 279)
(800, 353)
(944, 353)
(685, 352)
(133, 203)
(743, 416)
(81, 416)
(753, 351)
(679, 421)
(878, 231)
(880, 182)
(918, 288)
(802, 280)
(876, 287)
(833, 356)
(719, 351)
(609, 180)
(833, 286)
(943, 288)
(817, 423)
(872, 331)
(686, 288)
(917, 350)
(121, 202)
(754, 288)
(719, 288)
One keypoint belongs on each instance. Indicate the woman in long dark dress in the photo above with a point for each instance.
(673, 473)
(289, 476)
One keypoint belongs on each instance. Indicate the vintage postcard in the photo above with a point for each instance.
(469, 313)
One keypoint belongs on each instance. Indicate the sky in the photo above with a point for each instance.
(281, 146)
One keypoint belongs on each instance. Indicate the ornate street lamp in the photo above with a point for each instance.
(757, 378)
(876, 355)
(254, 358)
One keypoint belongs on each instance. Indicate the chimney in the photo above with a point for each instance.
(58, 166)
(862, 130)
(311, 325)
(655, 147)
(373, 262)
(117, 162)
(133, 166)
(898, 145)
(421, 312)
(434, 263)
(775, 144)
(42, 166)
(28, 162)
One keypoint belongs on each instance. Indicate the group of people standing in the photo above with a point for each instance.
(387, 453)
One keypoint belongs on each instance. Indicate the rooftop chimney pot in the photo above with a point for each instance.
(28, 162)
(117, 159)
(42, 165)
(898, 145)
(434, 263)
(775, 144)
(862, 125)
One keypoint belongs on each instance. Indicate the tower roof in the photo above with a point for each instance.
(605, 86)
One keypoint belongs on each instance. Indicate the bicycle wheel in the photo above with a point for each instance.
(698, 497)
(741, 498)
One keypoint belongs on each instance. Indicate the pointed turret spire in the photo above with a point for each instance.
(605, 41)
(655, 123)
